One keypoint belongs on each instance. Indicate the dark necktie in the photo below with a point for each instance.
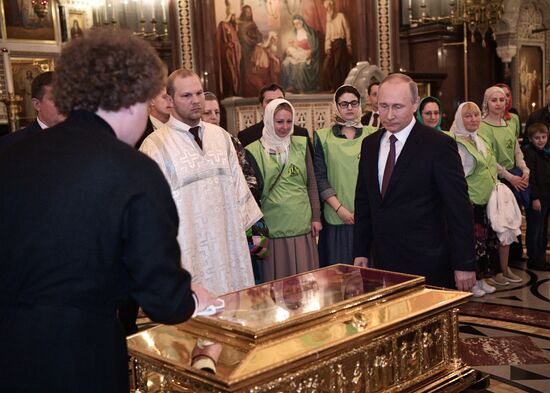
(375, 120)
(195, 132)
(390, 163)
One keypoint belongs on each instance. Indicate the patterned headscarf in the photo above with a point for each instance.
(423, 103)
(272, 143)
(336, 109)
(460, 130)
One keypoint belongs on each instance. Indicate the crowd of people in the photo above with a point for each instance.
(101, 218)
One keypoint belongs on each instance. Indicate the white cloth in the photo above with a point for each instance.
(504, 214)
(385, 148)
(214, 203)
(272, 143)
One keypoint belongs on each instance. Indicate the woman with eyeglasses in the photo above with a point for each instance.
(337, 150)
(289, 196)
(429, 112)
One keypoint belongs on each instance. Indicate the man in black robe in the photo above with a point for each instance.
(87, 221)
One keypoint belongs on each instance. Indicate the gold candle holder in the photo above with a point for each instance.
(13, 106)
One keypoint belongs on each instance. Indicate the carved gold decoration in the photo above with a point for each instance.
(184, 17)
(384, 48)
(392, 338)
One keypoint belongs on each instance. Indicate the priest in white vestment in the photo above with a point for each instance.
(214, 203)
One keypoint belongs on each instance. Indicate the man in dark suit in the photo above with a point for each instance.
(412, 212)
(372, 118)
(267, 94)
(87, 221)
(47, 113)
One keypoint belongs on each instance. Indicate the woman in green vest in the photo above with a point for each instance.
(480, 169)
(337, 150)
(429, 112)
(289, 197)
(511, 167)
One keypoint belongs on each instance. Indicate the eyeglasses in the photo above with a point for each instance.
(435, 113)
(345, 104)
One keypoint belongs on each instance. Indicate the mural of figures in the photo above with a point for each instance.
(264, 65)
(249, 36)
(338, 48)
(305, 45)
(301, 64)
(229, 50)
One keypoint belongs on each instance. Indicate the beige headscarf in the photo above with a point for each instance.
(487, 96)
(272, 143)
(336, 110)
(460, 130)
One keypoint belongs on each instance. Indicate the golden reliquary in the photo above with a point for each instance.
(339, 329)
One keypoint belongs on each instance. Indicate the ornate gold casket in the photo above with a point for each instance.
(338, 329)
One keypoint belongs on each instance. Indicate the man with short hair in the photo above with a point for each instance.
(267, 94)
(412, 212)
(214, 203)
(43, 102)
(159, 113)
(87, 221)
(372, 118)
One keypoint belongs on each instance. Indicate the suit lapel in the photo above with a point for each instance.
(375, 152)
(405, 158)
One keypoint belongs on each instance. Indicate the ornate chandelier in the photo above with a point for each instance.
(475, 15)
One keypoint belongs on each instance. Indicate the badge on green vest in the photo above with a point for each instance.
(510, 144)
(293, 170)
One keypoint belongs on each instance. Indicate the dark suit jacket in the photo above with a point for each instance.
(19, 135)
(424, 224)
(254, 132)
(366, 118)
(148, 131)
(87, 221)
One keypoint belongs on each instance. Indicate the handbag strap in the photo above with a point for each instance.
(273, 184)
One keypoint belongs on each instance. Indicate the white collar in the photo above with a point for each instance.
(403, 134)
(41, 123)
(156, 122)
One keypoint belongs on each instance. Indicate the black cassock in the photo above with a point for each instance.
(85, 222)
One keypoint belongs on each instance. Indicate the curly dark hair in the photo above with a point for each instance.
(107, 69)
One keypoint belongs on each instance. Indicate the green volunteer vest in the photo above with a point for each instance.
(516, 124)
(482, 180)
(342, 161)
(502, 139)
(286, 208)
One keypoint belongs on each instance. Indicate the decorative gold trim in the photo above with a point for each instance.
(384, 41)
(184, 18)
(367, 368)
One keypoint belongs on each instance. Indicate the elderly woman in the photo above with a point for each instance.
(337, 151)
(511, 167)
(429, 112)
(289, 196)
(480, 170)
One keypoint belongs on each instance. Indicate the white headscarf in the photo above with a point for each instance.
(272, 143)
(460, 130)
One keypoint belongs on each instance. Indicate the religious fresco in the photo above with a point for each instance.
(303, 45)
(530, 80)
(27, 20)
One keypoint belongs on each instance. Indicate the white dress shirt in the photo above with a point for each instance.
(385, 148)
